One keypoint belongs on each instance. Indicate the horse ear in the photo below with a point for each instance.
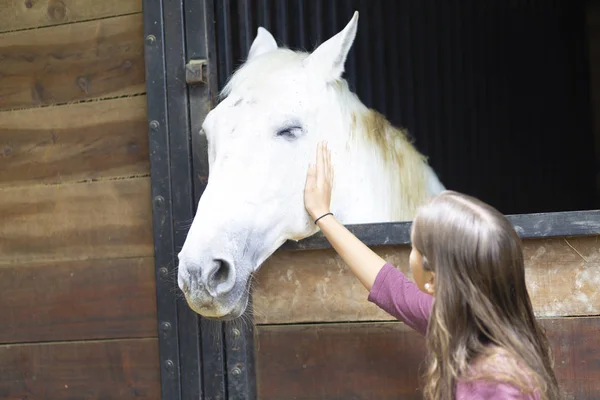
(328, 59)
(264, 42)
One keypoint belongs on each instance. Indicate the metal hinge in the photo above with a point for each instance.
(196, 71)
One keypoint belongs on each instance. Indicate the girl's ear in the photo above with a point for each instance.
(429, 282)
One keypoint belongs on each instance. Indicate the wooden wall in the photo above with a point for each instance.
(319, 338)
(77, 288)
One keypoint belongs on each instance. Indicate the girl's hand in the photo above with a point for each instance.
(319, 182)
(363, 262)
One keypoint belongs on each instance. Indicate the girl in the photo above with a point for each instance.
(469, 297)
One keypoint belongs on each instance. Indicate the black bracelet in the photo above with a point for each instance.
(324, 215)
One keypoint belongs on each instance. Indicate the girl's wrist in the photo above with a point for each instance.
(319, 213)
(324, 216)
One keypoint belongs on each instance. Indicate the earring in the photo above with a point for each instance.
(427, 286)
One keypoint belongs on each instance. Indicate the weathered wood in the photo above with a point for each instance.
(99, 220)
(72, 62)
(24, 14)
(115, 369)
(385, 360)
(75, 142)
(315, 285)
(339, 361)
(78, 300)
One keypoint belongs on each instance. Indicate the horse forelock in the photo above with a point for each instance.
(262, 68)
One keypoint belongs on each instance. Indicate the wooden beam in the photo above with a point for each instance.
(528, 226)
(73, 62)
(385, 360)
(78, 300)
(563, 275)
(75, 142)
(98, 220)
(108, 370)
(27, 14)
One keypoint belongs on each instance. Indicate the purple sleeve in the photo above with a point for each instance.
(394, 293)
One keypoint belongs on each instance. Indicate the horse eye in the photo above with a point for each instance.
(290, 133)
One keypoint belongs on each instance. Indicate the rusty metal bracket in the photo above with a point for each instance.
(196, 72)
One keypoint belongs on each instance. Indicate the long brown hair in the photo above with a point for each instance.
(482, 308)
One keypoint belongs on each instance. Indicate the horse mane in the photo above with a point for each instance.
(406, 165)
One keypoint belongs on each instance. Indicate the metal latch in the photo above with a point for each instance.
(196, 71)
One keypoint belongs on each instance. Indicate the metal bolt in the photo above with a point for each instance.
(150, 39)
(163, 272)
(236, 371)
(165, 326)
(154, 125)
(236, 332)
(169, 365)
(159, 201)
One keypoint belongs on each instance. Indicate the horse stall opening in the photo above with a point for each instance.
(503, 98)
(497, 95)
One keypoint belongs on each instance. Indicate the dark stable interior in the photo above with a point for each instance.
(498, 94)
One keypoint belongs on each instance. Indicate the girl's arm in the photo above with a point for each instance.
(388, 287)
(363, 261)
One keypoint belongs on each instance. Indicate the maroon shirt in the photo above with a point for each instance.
(393, 292)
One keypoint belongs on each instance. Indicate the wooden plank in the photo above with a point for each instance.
(115, 369)
(99, 220)
(72, 62)
(315, 285)
(24, 14)
(78, 300)
(385, 360)
(76, 142)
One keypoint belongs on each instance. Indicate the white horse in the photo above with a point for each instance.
(261, 138)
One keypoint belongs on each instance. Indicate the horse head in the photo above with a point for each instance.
(261, 138)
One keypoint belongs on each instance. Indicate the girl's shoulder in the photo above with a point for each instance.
(498, 375)
(492, 390)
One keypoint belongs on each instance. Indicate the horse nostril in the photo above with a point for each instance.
(222, 278)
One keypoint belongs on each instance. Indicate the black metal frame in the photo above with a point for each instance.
(528, 226)
(200, 358)
(203, 359)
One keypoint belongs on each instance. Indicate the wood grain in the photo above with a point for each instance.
(75, 142)
(72, 62)
(315, 286)
(340, 361)
(99, 220)
(78, 300)
(108, 370)
(385, 360)
(24, 14)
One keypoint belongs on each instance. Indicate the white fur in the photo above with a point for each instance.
(254, 199)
